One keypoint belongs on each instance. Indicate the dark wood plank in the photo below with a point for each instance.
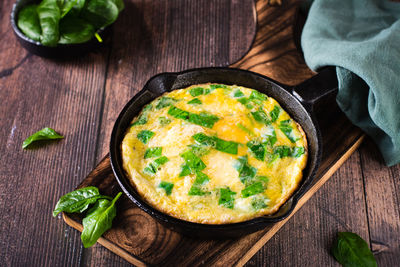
(383, 205)
(35, 93)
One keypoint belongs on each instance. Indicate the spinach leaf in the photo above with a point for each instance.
(253, 189)
(195, 101)
(178, 113)
(49, 14)
(196, 91)
(229, 147)
(204, 139)
(78, 200)
(238, 93)
(259, 203)
(297, 151)
(287, 129)
(226, 197)
(269, 138)
(257, 148)
(216, 86)
(153, 152)
(142, 119)
(44, 134)
(28, 22)
(74, 30)
(246, 172)
(145, 135)
(98, 220)
(201, 180)
(246, 102)
(261, 116)
(243, 128)
(203, 119)
(192, 164)
(274, 114)
(100, 13)
(199, 150)
(154, 166)
(165, 102)
(164, 121)
(167, 187)
(282, 151)
(351, 250)
(256, 95)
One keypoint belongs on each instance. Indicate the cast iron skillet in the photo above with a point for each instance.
(298, 102)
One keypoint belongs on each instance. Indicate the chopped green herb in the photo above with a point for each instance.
(196, 91)
(199, 150)
(192, 163)
(261, 116)
(255, 95)
(272, 157)
(153, 152)
(282, 151)
(297, 151)
(217, 143)
(243, 128)
(165, 102)
(205, 140)
(270, 138)
(253, 189)
(202, 119)
(274, 114)
(259, 203)
(226, 197)
(142, 119)
(195, 101)
(257, 148)
(246, 172)
(197, 187)
(164, 121)
(145, 135)
(44, 134)
(167, 187)
(215, 86)
(246, 102)
(238, 93)
(287, 129)
(153, 167)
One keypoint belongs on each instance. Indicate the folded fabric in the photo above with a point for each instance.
(362, 39)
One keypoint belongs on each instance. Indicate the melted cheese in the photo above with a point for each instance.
(235, 123)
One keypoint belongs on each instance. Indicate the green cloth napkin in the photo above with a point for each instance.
(362, 39)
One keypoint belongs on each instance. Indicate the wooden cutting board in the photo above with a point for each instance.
(141, 240)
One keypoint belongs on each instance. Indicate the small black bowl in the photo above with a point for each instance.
(300, 109)
(59, 51)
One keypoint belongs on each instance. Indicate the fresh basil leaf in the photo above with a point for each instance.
(253, 189)
(192, 162)
(243, 128)
(246, 172)
(351, 250)
(153, 152)
(74, 30)
(255, 95)
(145, 135)
(165, 102)
(28, 22)
(261, 116)
(44, 134)
(154, 166)
(226, 197)
(100, 13)
(167, 187)
(287, 129)
(98, 220)
(178, 113)
(164, 121)
(197, 186)
(120, 4)
(282, 151)
(49, 14)
(238, 93)
(297, 151)
(204, 139)
(257, 148)
(259, 203)
(229, 147)
(216, 86)
(195, 101)
(203, 119)
(274, 114)
(78, 200)
(66, 6)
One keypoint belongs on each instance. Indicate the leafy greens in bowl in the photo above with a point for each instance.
(54, 28)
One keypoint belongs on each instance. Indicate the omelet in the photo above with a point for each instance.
(214, 154)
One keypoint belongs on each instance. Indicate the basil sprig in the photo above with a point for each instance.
(98, 218)
(44, 134)
(351, 250)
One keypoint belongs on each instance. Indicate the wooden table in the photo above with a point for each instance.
(81, 98)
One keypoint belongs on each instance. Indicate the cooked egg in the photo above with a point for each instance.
(214, 154)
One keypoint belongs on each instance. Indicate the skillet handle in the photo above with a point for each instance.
(320, 86)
